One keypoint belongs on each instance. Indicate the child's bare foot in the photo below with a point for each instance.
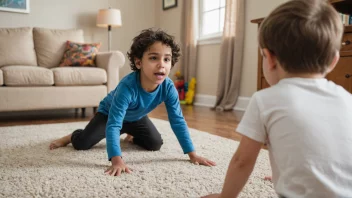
(60, 142)
(129, 138)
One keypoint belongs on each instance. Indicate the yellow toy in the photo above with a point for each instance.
(178, 75)
(190, 92)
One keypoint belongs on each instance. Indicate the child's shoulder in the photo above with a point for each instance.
(275, 90)
(289, 91)
(128, 82)
(130, 78)
(169, 86)
(168, 81)
(280, 93)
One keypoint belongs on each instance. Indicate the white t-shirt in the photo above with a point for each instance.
(307, 124)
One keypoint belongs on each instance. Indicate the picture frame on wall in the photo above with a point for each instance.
(21, 6)
(167, 4)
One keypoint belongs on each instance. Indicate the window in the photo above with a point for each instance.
(212, 17)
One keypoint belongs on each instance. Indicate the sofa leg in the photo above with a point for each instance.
(83, 112)
(76, 112)
(95, 110)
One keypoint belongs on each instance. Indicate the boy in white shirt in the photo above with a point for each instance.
(305, 119)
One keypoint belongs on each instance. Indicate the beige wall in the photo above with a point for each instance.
(208, 69)
(138, 15)
(170, 21)
(63, 14)
(254, 9)
(209, 55)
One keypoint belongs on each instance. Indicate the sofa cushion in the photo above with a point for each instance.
(50, 44)
(64, 76)
(80, 54)
(17, 47)
(27, 76)
(1, 78)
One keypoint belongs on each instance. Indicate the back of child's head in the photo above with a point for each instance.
(148, 37)
(304, 35)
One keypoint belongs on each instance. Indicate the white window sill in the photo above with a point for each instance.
(210, 40)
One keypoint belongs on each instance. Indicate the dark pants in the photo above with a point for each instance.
(143, 131)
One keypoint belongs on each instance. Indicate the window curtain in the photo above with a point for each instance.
(231, 56)
(189, 32)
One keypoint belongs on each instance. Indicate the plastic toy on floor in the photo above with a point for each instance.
(186, 90)
(191, 89)
(180, 86)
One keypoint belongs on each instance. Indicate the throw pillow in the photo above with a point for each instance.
(80, 54)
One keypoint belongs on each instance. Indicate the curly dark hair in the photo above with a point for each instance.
(148, 37)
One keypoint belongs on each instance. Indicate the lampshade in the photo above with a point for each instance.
(108, 17)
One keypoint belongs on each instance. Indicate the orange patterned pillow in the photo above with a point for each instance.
(80, 54)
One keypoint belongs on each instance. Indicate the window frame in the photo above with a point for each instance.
(214, 38)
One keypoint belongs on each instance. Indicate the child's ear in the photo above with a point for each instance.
(334, 62)
(272, 61)
(137, 62)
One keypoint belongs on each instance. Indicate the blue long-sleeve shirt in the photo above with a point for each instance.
(130, 102)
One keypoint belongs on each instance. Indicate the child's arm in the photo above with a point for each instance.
(240, 168)
(180, 128)
(119, 105)
(254, 135)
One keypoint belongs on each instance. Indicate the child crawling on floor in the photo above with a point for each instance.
(124, 110)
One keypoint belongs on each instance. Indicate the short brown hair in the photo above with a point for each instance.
(148, 37)
(304, 35)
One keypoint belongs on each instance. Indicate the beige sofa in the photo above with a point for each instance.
(30, 78)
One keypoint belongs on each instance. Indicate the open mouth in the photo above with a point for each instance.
(159, 75)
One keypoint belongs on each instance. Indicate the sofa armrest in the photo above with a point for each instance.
(111, 62)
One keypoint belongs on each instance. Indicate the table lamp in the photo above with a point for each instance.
(109, 18)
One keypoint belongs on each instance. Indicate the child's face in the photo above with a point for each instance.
(155, 65)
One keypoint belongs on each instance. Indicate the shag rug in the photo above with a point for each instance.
(29, 169)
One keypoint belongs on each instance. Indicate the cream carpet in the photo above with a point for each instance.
(29, 169)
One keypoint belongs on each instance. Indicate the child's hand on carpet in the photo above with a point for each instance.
(195, 159)
(118, 166)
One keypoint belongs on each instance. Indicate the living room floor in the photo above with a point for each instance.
(202, 118)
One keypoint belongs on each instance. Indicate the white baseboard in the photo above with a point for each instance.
(209, 101)
(205, 100)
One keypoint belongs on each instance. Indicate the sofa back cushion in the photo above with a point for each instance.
(50, 44)
(17, 47)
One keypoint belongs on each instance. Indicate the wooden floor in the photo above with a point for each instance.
(202, 118)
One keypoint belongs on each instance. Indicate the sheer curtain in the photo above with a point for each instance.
(189, 34)
(231, 56)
